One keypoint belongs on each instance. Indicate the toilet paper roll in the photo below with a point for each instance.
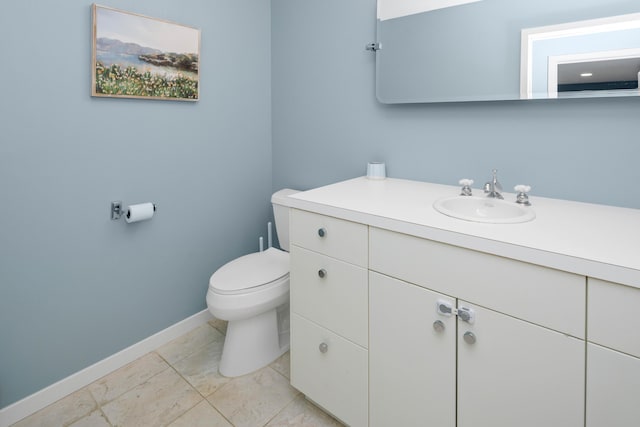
(376, 170)
(139, 212)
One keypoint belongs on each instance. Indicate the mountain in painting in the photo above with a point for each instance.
(116, 46)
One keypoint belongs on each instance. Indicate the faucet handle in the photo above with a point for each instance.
(496, 184)
(466, 186)
(522, 196)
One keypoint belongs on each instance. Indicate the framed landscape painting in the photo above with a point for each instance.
(135, 56)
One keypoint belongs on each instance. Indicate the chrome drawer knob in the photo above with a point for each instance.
(323, 347)
(438, 326)
(322, 273)
(322, 232)
(469, 337)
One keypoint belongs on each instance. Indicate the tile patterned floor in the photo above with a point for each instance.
(178, 385)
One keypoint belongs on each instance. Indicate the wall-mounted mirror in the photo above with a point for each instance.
(480, 50)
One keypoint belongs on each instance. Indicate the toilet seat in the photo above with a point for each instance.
(256, 271)
(281, 281)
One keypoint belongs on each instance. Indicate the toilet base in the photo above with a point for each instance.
(253, 343)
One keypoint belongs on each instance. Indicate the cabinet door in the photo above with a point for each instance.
(514, 373)
(411, 364)
(613, 380)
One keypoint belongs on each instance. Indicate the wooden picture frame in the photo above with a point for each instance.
(135, 56)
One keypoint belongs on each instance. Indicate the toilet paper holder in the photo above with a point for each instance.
(117, 210)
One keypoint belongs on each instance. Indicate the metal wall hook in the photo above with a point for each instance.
(373, 47)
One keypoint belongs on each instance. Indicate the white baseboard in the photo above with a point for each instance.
(80, 379)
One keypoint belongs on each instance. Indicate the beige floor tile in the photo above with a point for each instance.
(201, 368)
(95, 419)
(189, 343)
(202, 415)
(252, 400)
(283, 365)
(64, 412)
(157, 402)
(124, 379)
(302, 413)
(220, 325)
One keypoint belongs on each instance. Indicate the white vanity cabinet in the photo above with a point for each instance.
(329, 314)
(506, 369)
(374, 267)
(613, 355)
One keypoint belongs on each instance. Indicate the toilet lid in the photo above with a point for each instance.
(251, 270)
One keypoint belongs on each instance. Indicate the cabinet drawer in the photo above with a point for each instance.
(547, 297)
(612, 319)
(331, 293)
(336, 379)
(330, 236)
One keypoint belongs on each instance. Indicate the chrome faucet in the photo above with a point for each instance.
(493, 187)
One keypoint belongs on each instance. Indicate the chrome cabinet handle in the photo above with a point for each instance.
(322, 273)
(322, 232)
(438, 326)
(323, 347)
(469, 337)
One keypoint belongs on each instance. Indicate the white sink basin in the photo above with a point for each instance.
(484, 209)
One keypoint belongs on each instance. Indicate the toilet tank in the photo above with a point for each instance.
(281, 215)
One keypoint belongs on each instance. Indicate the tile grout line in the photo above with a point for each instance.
(71, 422)
(106, 418)
(221, 414)
(283, 408)
(191, 353)
(98, 407)
(204, 398)
(128, 389)
(284, 376)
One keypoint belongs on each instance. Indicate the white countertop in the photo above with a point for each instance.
(588, 239)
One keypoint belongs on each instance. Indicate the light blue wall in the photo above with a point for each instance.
(76, 287)
(327, 123)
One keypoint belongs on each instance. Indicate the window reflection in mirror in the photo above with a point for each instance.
(599, 57)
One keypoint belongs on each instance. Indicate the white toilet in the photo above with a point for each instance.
(252, 294)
